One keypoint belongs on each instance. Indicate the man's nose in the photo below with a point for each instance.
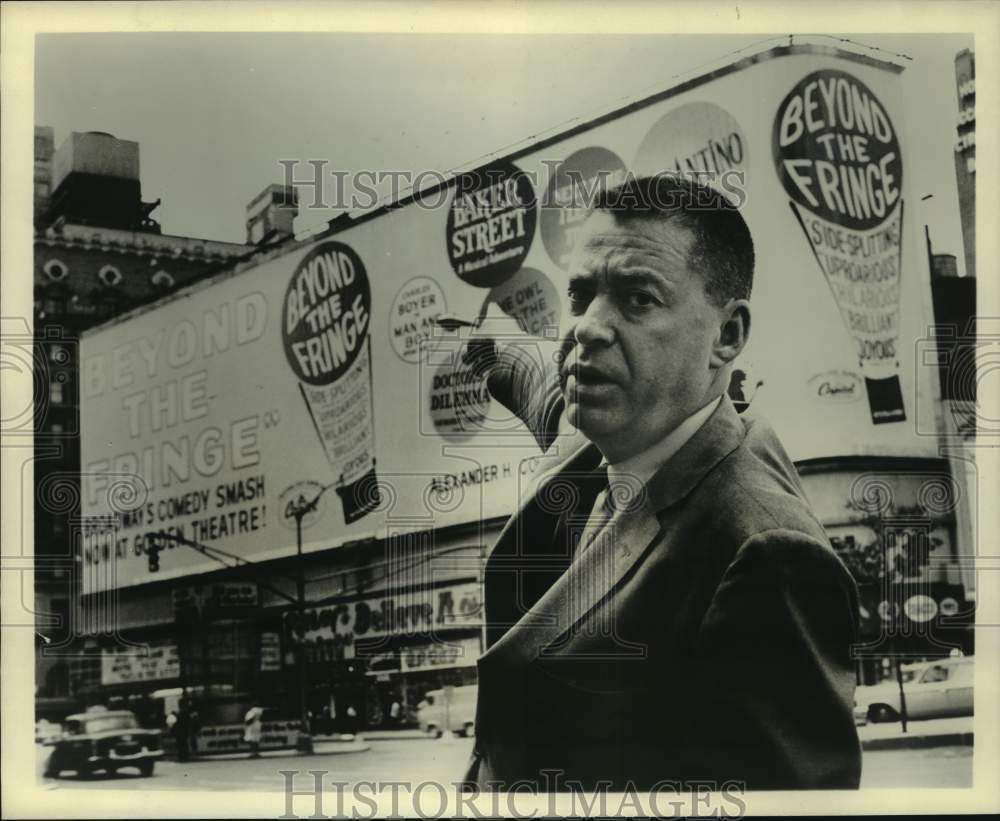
(595, 325)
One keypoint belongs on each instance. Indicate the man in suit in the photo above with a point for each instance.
(664, 605)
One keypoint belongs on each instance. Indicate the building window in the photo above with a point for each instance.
(109, 275)
(55, 270)
(56, 392)
(970, 164)
(163, 280)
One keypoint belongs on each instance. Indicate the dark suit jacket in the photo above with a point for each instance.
(707, 640)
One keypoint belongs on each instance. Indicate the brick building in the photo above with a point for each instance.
(98, 253)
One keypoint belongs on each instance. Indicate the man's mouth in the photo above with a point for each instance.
(586, 376)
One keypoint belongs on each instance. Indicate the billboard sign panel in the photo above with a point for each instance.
(322, 368)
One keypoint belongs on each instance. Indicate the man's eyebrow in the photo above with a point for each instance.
(619, 277)
(639, 275)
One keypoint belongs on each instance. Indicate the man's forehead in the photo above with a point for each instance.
(606, 240)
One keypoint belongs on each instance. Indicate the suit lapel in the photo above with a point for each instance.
(617, 549)
(528, 543)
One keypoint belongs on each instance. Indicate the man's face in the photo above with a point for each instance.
(643, 328)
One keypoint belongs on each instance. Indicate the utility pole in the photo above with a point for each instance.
(298, 508)
(305, 744)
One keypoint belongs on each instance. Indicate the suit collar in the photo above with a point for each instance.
(643, 465)
(721, 434)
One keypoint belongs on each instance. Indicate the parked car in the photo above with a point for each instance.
(46, 731)
(106, 740)
(452, 709)
(933, 689)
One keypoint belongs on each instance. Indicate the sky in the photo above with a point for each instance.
(215, 112)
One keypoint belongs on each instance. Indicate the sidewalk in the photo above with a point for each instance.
(938, 732)
(321, 746)
(394, 735)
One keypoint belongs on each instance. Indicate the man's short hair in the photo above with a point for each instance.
(723, 248)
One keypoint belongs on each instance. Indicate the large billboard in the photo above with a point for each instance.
(322, 369)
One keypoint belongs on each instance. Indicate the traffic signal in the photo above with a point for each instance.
(153, 547)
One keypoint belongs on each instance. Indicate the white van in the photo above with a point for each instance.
(449, 709)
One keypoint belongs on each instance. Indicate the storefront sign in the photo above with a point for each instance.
(270, 652)
(901, 613)
(329, 633)
(125, 665)
(948, 606)
(217, 600)
(920, 608)
(435, 655)
(226, 738)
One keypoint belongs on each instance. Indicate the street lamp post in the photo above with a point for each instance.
(305, 744)
(299, 509)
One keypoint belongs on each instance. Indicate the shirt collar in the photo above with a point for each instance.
(643, 465)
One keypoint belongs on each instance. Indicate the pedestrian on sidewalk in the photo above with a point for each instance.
(181, 730)
(193, 728)
(252, 728)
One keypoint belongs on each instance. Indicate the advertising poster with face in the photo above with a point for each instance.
(839, 160)
(572, 188)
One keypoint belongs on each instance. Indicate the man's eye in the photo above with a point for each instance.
(640, 299)
(578, 300)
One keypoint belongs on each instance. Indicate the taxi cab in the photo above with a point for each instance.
(107, 740)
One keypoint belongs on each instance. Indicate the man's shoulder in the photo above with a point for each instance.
(756, 487)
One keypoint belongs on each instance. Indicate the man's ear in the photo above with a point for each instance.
(734, 331)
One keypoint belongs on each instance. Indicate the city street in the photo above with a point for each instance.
(416, 760)
(924, 768)
(413, 760)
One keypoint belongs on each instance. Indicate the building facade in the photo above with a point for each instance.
(965, 153)
(97, 254)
